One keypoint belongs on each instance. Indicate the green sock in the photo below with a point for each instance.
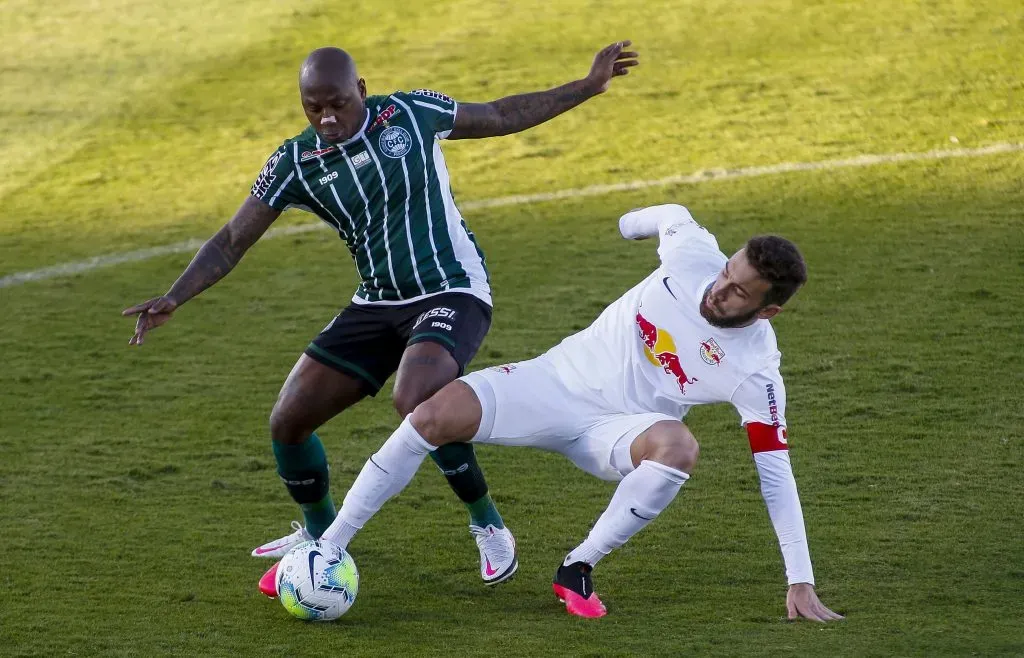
(458, 463)
(318, 516)
(483, 513)
(303, 467)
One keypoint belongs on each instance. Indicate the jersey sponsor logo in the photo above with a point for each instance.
(360, 159)
(660, 350)
(395, 142)
(309, 155)
(773, 407)
(505, 369)
(382, 119)
(711, 352)
(440, 312)
(267, 176)
(436, 95)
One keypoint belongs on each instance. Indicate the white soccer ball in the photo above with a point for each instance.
(317, 581)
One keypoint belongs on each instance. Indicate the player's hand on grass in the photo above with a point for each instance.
(612, 61)
(802, 601)
(152, 314)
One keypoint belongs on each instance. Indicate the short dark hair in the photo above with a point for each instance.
(780, 263)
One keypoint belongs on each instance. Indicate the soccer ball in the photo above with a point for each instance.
(317, 581)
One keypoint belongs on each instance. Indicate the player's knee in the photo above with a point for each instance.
(285, 424)
(452, 414)
(429, 420)
(674, 446)
(405, 399)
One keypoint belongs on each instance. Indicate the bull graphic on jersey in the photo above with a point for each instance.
(660, 350)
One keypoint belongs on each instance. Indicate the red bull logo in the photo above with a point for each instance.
(660, 350)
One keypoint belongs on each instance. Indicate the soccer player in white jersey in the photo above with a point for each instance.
(611, 399)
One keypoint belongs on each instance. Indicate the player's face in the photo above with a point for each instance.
(335, 110)
(736, 298)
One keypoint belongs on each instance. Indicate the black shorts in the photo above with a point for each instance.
(367, 341)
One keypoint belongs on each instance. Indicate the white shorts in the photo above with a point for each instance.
(528, 404)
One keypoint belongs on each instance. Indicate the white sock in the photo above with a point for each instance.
(640, 497)
(386, 473)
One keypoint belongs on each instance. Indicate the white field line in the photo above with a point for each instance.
(68, 269)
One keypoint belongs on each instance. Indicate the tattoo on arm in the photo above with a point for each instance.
(513, 114)
(222, 252)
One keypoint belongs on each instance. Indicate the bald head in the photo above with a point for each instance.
(332, 94)
(328, 66)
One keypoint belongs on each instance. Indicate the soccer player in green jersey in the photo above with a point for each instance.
(372, 169)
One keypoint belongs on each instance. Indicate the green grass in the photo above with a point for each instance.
(134, 482)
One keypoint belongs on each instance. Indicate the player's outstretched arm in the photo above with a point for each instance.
(212, 262)
(778, 488)
(513, 114)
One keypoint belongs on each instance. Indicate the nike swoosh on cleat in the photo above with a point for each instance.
(261, 550)
(633, 512)
(487, 567)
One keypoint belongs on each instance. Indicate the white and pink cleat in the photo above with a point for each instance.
(498, 559)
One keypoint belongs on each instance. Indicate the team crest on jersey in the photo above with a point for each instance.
(395, 142)
(436, 95)
(267, 176)
(711, 352)
(382, 119)
(309, 155)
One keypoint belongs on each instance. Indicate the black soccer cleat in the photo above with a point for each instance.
(574, 587)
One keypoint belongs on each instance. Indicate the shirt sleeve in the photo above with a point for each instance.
(672, 223)
(276, 184)
(761, 403)
(761, 398)
(435, 111)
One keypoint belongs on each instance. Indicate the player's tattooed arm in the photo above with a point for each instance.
(222, 252)
(517, 113)
(212, 262)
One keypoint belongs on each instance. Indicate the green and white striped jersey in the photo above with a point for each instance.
(386, 192)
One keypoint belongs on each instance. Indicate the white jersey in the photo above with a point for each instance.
(652, 351)
(649, 357)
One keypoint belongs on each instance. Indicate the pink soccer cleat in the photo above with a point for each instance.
(268, 581)
(574, 587)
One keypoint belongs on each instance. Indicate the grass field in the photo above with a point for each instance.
(133, 482)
